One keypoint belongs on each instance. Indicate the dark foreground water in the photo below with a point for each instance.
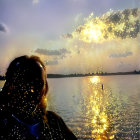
(98, 107)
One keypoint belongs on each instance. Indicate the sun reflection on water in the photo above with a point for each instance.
(97, 103)
(105, 110)
(95, 80)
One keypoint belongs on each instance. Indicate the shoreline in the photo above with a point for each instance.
(84, 75)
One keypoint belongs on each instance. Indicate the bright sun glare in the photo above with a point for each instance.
(95, 80)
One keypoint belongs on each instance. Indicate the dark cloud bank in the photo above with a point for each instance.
(130, 18)
(52, 52)
(3, 28)
(126, 54)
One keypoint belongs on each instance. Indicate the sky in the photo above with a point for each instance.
(72, 36)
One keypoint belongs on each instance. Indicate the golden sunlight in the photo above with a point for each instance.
(95, 80)
(92, 32)
(105, 28)
(100, 121)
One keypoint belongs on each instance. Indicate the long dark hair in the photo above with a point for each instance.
(25, 87)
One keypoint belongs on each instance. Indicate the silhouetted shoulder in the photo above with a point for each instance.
(54, 120)
(52, 114)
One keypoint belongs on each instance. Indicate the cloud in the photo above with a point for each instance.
(89, 48)
(110, 26)
(35, 1)
(53, 62)
(3, 28)
(126, 54)
(94, 44)
(68, 35)
(47, 52)
(52, 52)
(92, 57)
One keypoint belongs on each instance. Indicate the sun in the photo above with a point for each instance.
(92, 34)
(92, 31)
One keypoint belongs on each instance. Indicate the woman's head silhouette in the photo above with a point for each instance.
(26, 86)
(23, 113)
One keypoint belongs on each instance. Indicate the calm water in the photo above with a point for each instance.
(98, 107)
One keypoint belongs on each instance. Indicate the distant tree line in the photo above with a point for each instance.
(137, 72)
(83, 75)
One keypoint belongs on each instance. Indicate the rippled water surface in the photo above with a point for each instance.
(98, 107)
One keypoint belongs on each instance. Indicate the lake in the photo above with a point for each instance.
(98, 107)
